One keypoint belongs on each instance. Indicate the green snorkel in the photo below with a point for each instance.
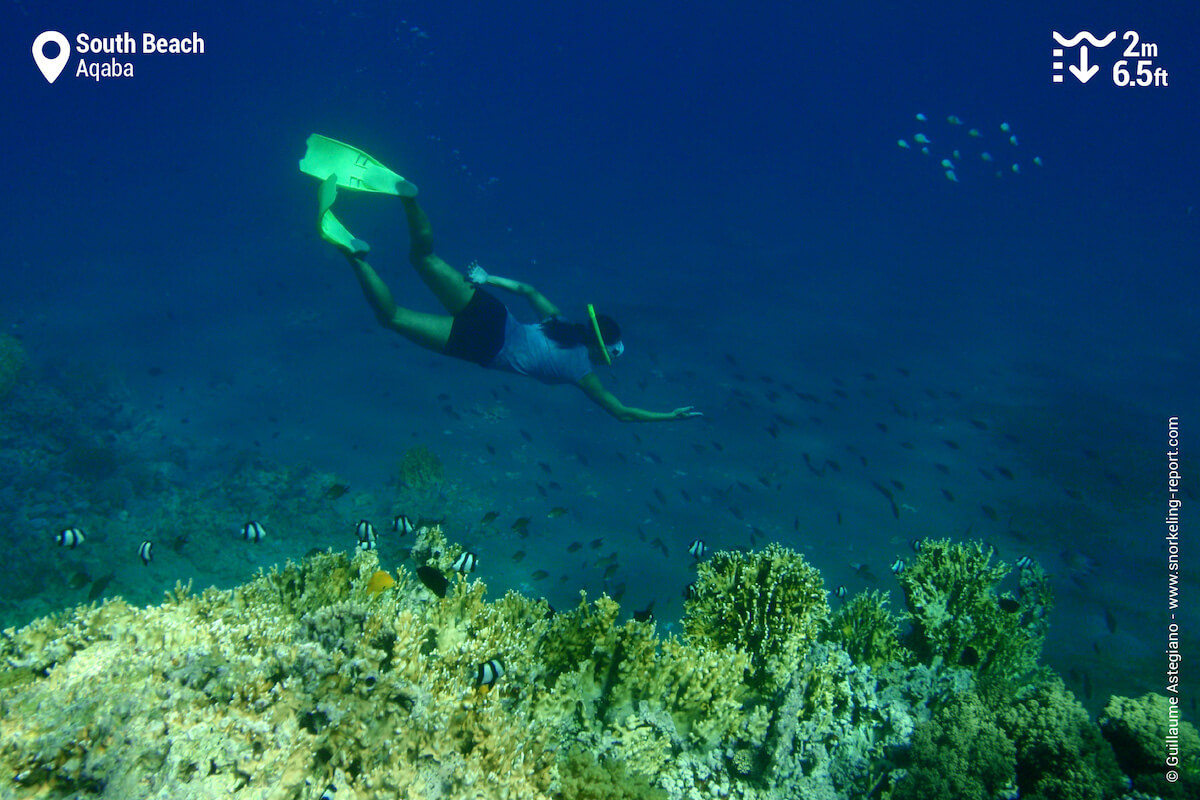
(599, 337)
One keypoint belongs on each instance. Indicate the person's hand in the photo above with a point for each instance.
(687, 412)
(476, 275)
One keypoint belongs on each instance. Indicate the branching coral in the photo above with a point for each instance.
(868, 631)
(957, 614)
(770, 603)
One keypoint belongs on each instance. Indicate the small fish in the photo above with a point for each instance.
(1037, 160)
(1013, 140)
(954, 120)
(336, 490)
(942, 468)
(526, 435)
(366, 545)
(921, 117)
(949, 495)
(545, 468)
(556, 512)
(611, 570)
(916, 544)
(433, 579)
(488, 518)
(986, 156)
(947, 164)
(978, 423)
(1004, 126)
(953, 445)
(1016, 168)
(541, 575)
(517, 556)
(596, 544)
(1025, 562)
(689, 591)
(402, 525)
(974, 133)
(897, 566)
(987, 475)
(466, 562)
(489, 672)
(697, 549)
(70, 538)
(951, 176)
(882, 426)
(902, 144)
(521, 525)
(146, 552)
(1005, 473)
(989, 512)
(840, 592)
(253, 532)
(1110, 620)
(646, 614)
(574, 547)
(79, 580)
(886, 492)
(365, 531)
(921, 138)
(100, 585)
(329, 792)
(899, 486)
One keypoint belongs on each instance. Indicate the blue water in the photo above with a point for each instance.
(725, 181)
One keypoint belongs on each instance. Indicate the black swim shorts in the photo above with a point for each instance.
(478, 330)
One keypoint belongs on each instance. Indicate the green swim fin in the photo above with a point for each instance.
(332, 229)
(354, 169)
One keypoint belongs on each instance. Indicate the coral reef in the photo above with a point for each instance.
(868, 631)
(960, 752)
(957, 614)
(1060, 752)
(769, 603)
(420, 468)
(1144, 732)
(335, 671)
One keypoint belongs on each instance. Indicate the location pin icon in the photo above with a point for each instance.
(51, 67)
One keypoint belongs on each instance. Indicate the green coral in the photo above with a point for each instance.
(868, 630)
(958, 615)
(960, 752)
(420, 468)
(582, 777)
(1140, 732)
(769, 603)
(12, 361)
(1060, 752)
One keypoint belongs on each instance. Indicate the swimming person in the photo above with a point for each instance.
(477, 327)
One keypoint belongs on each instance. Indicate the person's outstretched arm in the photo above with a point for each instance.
(543, 307)
(592, 387)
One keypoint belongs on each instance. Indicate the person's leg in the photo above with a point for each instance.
(431, 331)
(448, 284)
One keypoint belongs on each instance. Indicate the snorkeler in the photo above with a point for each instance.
(477, 327)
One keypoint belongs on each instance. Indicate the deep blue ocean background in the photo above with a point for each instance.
(722, 178)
